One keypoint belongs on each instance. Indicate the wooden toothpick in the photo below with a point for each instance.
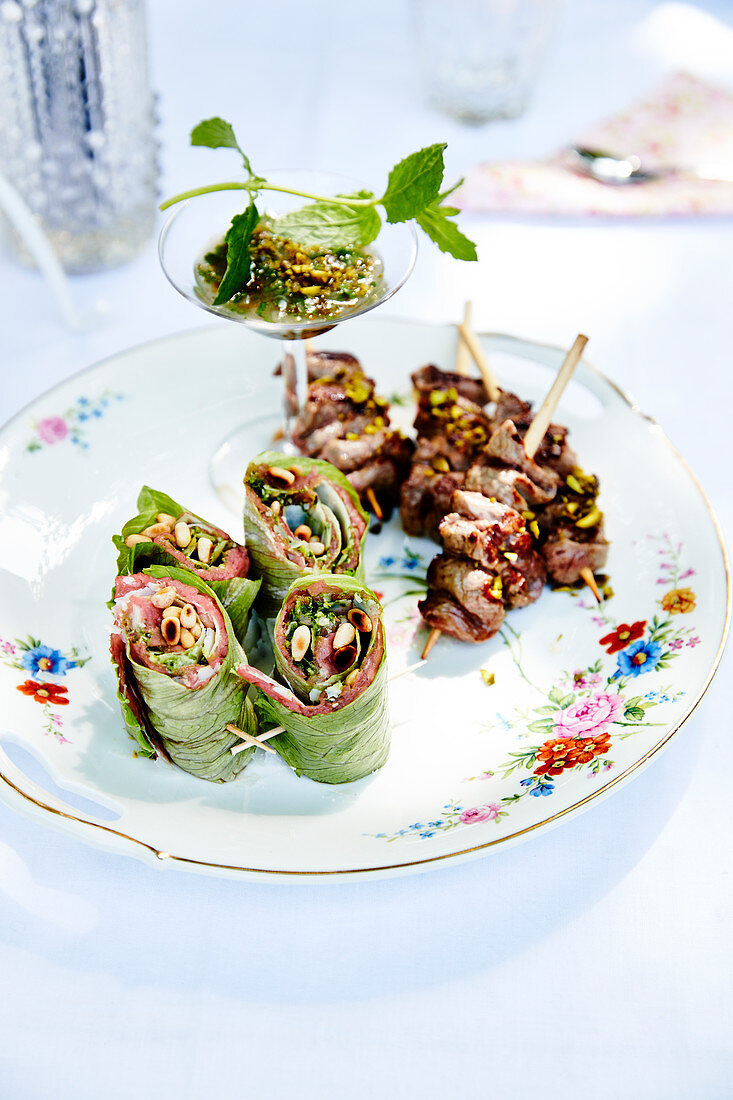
(248, 741)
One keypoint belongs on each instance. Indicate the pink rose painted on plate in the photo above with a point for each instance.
(589, 716)
(479, 813)
(52, 430)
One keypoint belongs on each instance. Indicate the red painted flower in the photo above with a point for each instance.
(565, 752)
(45, 693)
(623, 636)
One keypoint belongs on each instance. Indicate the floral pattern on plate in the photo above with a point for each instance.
(583, 712)
(42, 662)
(70, 426)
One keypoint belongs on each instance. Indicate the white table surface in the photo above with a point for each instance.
(592, 961)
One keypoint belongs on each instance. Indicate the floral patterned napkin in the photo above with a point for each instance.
(685, 123)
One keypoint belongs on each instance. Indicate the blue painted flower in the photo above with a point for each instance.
(409, 563)
(526, 782)
(42, 660)
(83, 401)
(386, 562)
(426, 833)
(542, 789)
(640, 657)
(436, 824)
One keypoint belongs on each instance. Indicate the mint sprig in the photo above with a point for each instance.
(413, 192)
(237, 240)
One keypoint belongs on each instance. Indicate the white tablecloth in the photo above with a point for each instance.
(592, 961)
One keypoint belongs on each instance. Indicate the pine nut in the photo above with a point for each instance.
(303, 532)
(163, 598)
(360, 620)
(169, 521)
(277, 473)
(187, 639)
(188, 616)
(170, 628)
(197, 630)
(172, 612)
(351, 677)
(344, 636)
(275, 507)
(157, 529)
(204, 548)
(344, 657)
(135, 540)
(300, 643)
(317, 547)
(183, 534)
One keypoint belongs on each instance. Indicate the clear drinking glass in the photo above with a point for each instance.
(479, 58)
(77, 125)
(197, 224)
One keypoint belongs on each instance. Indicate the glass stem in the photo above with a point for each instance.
(295, 375)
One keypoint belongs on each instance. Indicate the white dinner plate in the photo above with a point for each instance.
(491, 742)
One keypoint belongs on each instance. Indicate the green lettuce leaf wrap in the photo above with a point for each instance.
(210, 554)
(301, 516)
(175, 652)
(331, 696)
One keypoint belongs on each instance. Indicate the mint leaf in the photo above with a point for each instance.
(215, 133)
(435, 222)
(237, 239)
(413, 184)
(331, 224)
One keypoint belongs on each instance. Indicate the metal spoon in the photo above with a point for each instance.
(607, 168)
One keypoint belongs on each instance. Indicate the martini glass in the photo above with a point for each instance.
(198, 224)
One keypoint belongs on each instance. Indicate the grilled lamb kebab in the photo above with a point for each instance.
(556, 498)
(460, 445)
(489, 565)
(473, 580)
(345, 423)
(451, 427)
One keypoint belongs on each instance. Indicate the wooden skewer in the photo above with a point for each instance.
(372, 498)
(541, 422)
(479, 358)
(248, 741)
(432, 639)
(587, 574)
(462, 352)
